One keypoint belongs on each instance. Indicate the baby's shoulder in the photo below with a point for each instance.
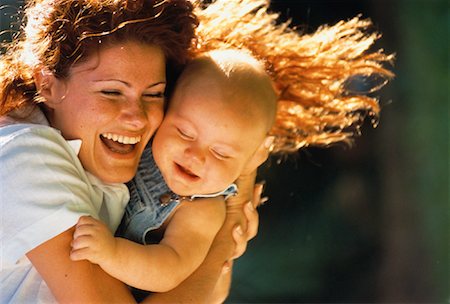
(205, 212)
(213, 206)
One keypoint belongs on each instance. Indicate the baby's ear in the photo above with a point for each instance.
(260, 155)
(45, 85)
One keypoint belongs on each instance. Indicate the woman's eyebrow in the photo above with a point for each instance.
(128, 84)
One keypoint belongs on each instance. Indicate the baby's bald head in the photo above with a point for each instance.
(217, 121)
(242, 81)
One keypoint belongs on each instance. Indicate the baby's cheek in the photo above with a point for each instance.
(230, 172)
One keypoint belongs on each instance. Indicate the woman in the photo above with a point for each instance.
(82, 92)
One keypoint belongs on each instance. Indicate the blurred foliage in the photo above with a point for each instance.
(425, 83)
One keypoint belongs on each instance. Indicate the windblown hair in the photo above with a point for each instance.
(60, 33)
(312, 73)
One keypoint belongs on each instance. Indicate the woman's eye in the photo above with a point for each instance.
(183, 134)
(154, 95)
(111, 92)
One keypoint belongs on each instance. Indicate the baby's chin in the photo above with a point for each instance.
(183, 190)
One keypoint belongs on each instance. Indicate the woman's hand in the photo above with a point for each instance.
(248, 216)
(250, 221)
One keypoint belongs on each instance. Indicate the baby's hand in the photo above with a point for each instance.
(92, 241)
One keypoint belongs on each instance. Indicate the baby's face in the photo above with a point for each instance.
(205, 140)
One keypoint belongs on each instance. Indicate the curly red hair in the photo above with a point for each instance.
(311, 72)
(59, 33)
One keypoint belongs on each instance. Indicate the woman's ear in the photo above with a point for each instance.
(45, 85)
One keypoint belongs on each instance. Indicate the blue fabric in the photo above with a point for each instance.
(144, 211)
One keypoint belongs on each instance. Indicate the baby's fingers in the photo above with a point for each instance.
(80, 254)
(83, 248)
(83, 241)
(89, 226)
(87, 220)
(83, 230)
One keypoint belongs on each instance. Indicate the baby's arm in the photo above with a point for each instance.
(159, 267)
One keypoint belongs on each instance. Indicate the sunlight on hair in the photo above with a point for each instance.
(312, 72)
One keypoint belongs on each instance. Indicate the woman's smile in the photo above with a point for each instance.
(119, 143)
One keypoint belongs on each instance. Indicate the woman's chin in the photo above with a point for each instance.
(122, 175)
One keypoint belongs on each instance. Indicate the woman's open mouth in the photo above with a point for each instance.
(119, 143)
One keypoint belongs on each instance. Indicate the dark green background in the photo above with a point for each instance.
(370, 223)
(367, 224)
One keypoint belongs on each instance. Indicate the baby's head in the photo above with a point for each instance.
(220, 114)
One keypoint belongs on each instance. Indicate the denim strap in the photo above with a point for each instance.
(170, 197)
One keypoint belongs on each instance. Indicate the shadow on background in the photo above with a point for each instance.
(368, 223)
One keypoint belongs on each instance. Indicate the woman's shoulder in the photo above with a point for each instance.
(21, 130)
(41, 148)
(34, 137)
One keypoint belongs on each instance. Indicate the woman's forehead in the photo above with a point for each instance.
(118, 61)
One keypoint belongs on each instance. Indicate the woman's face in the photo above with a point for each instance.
(113, 102)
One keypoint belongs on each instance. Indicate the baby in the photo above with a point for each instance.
(217, 121)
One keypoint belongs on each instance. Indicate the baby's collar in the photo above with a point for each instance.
(170, 197)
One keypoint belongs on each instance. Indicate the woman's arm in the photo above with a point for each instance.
(75, 282)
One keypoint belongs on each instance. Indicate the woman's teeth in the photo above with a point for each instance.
(127, 140)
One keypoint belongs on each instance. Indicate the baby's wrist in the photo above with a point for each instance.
(110, 258)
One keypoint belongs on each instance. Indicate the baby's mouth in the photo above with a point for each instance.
(187, 172)
(119, 143)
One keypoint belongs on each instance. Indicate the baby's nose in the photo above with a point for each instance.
(196, 154)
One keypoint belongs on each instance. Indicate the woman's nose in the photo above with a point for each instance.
(134, 115)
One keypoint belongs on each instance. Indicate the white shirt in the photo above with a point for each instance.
(43, 191)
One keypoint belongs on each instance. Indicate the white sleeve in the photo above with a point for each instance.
(43, 190)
